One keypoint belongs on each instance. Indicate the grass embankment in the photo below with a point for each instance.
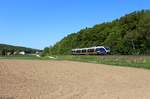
(120, 60)
(24, 57)
(117, 60)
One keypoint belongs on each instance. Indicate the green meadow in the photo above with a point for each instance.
(115, 60)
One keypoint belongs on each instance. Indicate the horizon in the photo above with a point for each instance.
(38, 24)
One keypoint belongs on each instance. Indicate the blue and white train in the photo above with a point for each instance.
(98, 50)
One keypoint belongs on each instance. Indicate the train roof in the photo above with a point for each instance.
(89, 48)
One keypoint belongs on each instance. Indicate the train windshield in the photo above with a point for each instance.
(107, 48)
(100, 49)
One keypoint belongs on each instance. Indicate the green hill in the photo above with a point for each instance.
(127, 35)
(4, 49)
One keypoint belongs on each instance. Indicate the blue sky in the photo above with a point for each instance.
(40, 23)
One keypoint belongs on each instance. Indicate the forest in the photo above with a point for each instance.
(127, 35)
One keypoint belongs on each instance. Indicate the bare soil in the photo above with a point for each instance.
(27, 79)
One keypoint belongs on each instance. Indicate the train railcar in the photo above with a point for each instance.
(98, 50)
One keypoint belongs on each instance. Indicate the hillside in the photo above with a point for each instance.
(4, 48)
(127, 35)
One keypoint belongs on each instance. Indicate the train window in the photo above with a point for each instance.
(78, 51)
(90, 50)
(97, 49)
(84, 50)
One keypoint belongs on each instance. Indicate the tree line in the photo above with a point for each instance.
(128, 35)
(6, 50)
